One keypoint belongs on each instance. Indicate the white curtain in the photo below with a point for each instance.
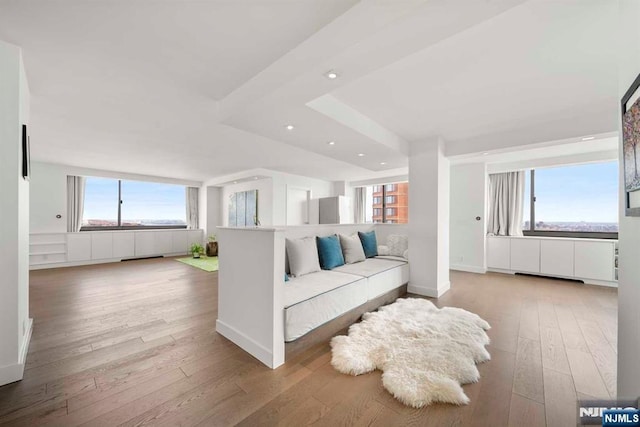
(192, 207)
(358, 206)
(75, 202)
(506, 199)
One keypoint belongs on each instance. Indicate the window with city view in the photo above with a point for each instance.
(387, 203)
(116, 203)
(579, 198)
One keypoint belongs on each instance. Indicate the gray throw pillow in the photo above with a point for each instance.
(303, 256)
(352, 248)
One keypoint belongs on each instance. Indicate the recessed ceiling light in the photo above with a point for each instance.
(331, 75)
(331, 143)
(383, 163)
(360, 154)
(235, 182)
(485, 154)
(255, 177)
(588, 138)
(290, 127)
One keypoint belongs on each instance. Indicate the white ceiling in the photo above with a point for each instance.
(203, 89)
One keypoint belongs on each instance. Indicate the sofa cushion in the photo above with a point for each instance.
(369, 243)
(303, 256)
(302, 288)
(370, 267)
(329, 252)
(352, 248)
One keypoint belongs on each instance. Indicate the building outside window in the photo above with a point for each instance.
(388, 203)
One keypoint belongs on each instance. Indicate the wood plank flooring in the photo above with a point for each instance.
(134, 343)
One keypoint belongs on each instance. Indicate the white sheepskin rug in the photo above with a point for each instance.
(425, 353)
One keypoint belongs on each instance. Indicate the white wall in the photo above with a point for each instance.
(265, 199)
(15, 325)
(213, 213)
(49, 193)
(468, 200)
(281, 182)
(272, 195)
(629, 232)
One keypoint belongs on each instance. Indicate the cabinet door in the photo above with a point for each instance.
(556, 257)
(164, 242)
(78, 247)
(594, 260)
(124, 245)
(145, 243)
(498, 252)
(102, 245)
(179, 242)
(525, 255)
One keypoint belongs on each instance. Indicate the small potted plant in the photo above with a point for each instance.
(212, 246)
(196, 250)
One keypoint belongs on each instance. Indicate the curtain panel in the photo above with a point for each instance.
(358, 206)
(192, 207)
(75, 202)
(506, 202)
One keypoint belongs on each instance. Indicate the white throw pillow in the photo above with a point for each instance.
(303, 256)
(352, 248)
(383, 250)
(406, 254)
(397, 244)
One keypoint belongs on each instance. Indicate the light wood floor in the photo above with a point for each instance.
(134, 343)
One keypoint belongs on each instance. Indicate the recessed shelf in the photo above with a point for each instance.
(48, 253)
(46, 243)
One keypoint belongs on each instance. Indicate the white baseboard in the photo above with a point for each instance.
(468, 268)
(15, 372)
(249, 345)
(96, 261)
(429, 292)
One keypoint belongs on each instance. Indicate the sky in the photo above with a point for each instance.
(140, 200)
(577, 193)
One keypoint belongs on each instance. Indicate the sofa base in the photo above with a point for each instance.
(325, 332)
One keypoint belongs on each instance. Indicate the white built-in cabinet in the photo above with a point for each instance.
(590, 260)
(62, 249)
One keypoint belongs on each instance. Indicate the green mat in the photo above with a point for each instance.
(203, 263)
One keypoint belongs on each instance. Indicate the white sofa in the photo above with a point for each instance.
(314, 299)
(255, 303)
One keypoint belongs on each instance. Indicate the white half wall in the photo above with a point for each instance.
(629, 232)
(15, 325)
(468, 201)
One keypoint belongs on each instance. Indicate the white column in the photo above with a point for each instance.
(629, 232)
(428, 218)
(15, 325)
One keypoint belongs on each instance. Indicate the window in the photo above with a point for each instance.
(578, 199)
(381, 207)
(116, 203)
